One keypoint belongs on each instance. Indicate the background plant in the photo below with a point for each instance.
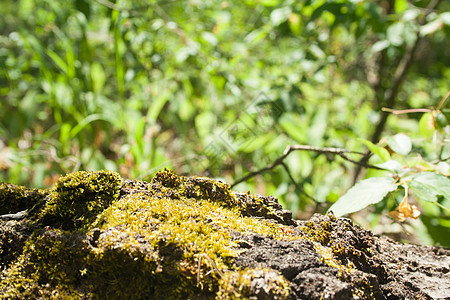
(221, 88)
(406, 170)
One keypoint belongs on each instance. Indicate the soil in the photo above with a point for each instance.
(320, 258)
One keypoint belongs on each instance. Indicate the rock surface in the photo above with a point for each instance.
(97, 236)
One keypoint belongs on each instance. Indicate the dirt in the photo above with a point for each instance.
(278, 258)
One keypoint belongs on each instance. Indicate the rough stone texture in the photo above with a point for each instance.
(394, 270)
(217, 244)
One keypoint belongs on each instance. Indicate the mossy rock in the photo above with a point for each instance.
(14, 198)
(96, 236)
(79, 197)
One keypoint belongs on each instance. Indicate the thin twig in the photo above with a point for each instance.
(443, 101)
(359, 163)
(280, 161)
(416, 110)
(213, 265)
(319, 150)
(405, 111)
(298, 186)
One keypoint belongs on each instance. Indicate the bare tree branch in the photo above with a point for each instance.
(289, 149)
(298, 186)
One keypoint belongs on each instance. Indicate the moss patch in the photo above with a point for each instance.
(257, 283)
(79, 197)
(168, 239)
(14, 198)
(97, 236)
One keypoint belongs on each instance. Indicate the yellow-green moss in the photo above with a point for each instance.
(195, 226)
(49, 268)
(243, 284)
(198, 188)
(79, 197)
(171, 239)
(14, 198)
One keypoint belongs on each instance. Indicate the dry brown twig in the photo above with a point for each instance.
(289, 149)
(213, 265)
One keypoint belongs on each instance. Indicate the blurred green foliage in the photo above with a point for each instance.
(220, 88)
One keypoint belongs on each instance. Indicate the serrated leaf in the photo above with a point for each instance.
(364, 193)
(400, 143)
(380, 151)
(429, 186)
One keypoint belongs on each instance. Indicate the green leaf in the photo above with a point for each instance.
(395, 34)
(445, 17)
(257, 35)
(57, 60)
(431, 27)
(380, 46)
(364, 193)
(441, 121)
(280, 15)
(400, 6)
(204, 122)
(444, 167)
(84, 7)
(437, 229)
(318, 127)
(391, 165)
(426, 125)
(86, 121)
(400, 143)
(292, 127)
(157, 106)
(210, 38)
(295, 23)
(429, 186)
(98, 77)
(268, 2)
(380, 151)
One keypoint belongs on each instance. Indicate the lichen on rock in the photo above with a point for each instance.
(97, 236)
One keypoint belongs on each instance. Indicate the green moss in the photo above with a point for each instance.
(198, 188)
(15, 198)
(167, 178)
(245, 284)
(194, 218)
(79, 197)
(171, 239)
(190, 227)
(317, 233)
(49, 267)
